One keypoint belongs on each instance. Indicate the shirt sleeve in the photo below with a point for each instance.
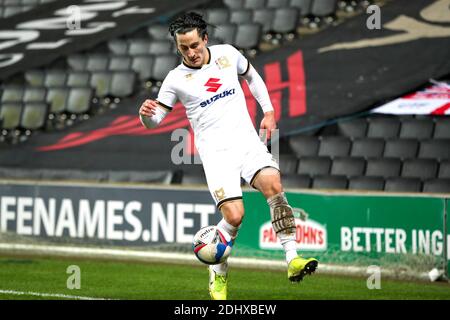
(167, 96)
(242, 64)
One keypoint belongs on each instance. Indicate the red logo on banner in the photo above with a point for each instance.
(213, 84)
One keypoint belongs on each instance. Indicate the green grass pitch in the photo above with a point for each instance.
(137, 280)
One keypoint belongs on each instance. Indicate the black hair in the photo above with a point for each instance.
(188, 22)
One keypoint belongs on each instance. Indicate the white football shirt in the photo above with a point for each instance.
(214, 100)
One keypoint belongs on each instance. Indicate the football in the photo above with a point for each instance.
(212, 245)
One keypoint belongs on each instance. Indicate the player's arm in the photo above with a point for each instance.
(151, 113)
(259, 91)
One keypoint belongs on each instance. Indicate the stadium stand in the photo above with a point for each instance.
(367, 152)
(391, 153)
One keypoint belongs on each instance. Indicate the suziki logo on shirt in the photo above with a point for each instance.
(214, 85)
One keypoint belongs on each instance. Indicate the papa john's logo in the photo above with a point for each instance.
(310, 235)
(213, 84)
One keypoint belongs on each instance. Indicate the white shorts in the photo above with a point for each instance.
(224, 169)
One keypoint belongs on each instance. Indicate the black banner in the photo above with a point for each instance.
(105, 215)
(340, 70)
(41, 35)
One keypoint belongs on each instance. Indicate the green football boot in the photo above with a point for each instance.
(299, 267)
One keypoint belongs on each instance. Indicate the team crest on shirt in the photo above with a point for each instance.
(189, 76)
(223, 62)
(219, 194)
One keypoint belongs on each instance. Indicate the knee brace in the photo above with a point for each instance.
(281, 214)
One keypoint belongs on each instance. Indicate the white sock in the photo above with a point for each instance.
(232, 230)
(290, 248)
(222, 268)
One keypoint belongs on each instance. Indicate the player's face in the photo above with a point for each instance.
(193, 48)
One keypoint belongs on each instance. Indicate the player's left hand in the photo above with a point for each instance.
(268, 123)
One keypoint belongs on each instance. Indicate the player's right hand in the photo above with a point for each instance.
(148, 108)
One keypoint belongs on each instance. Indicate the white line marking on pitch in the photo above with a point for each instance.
(47, 295)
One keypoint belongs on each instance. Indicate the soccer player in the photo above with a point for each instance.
(207, 84)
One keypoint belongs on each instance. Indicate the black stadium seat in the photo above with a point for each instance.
(403, 185)
(401, 148)
(277, 3)
(383, 167)
(241, 16)
(77, 62)
(34, 115)
(160, 47)
(120, 63)
(79, 100)
(101, 82)
(247, 36)
(57, 99)
(122, 84)
(35, 77)
(314, 166)
(347, 166)
(321, 8)
(355, 128)
(234, 4)
(118, 46)
(288, 163)
(254, 4)
(10, 114)
(225, 33)
(367, 147)
(417, 128)
(303, 5)
(334, 146)
(444, 169)
(12, 94)
(420, 168)
(34, 94)
(193, 178)
(163, 64)
(330, 182)
(138, 46)
(437, 186)
(303, 145)
(381, 127)
(435, 149)
(97, 62)
(217, 16)
(143, 65)
(78, 78)
(285, 21)
(159, 32)
(442, 128)
(366, 183)
(55, 78)
(301, 181)
(264, 17)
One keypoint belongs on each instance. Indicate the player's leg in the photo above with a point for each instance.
(224, 184)
(268, 181)
(232, 212)
(261, 171)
